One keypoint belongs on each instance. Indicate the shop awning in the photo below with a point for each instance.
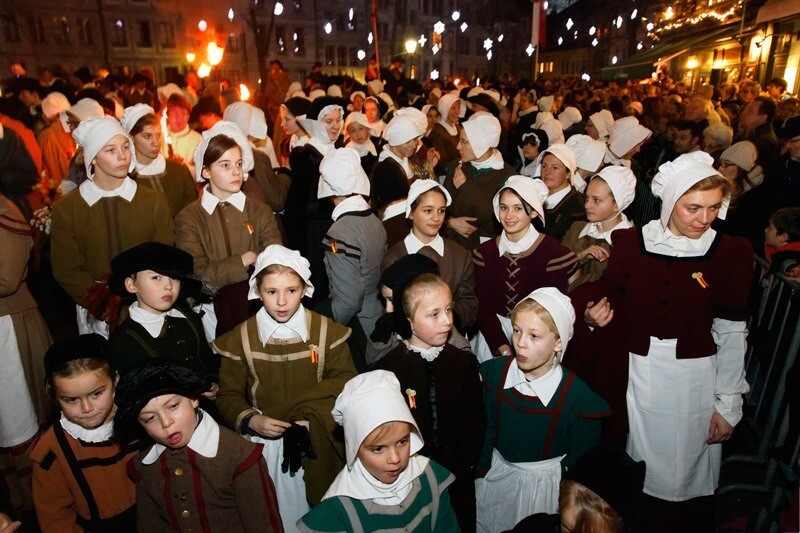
(778, 9)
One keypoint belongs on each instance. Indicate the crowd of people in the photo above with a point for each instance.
(513, 305)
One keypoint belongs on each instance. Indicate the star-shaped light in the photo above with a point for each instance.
(439, 27)
(487, 44)
(422, 40)
(464, 27)
(595, 42)
(434, 74)
(529, 50)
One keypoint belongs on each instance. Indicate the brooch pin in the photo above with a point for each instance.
(249, 227)
(699, 277)
(334, 249)
(314, 353)
(412, 401)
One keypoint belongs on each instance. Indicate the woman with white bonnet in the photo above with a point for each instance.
(354, 247)
(401, 136)
(357, 102)
(517, 262)
(426, 208)
(425, 159)
(570, 120)
(359, 133)
(386, 484)
(625, 141)
(306, 218)
(107, 215)
(444, 134)
(291, 134)
(599, 125)
(683, 288)
(589, 154)
(225, 229)
(374, 109)
(474, 180)
(564, 204)
(153, 170)
(608, 194)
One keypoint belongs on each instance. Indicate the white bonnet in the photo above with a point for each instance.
(248, 117)
(229, 129)
(622, 183)
(474, 91)
(94, 133)
(54, 103)
(545, 103)
(532, 190)
(341, 174)
(420, 187)
(483, 131)
(357, 93)
(569, 116)
(335, 90)
(275, 254)
(625, 134)
(375, 86)
(87, 108)
(357, 117)
(419, 117)
(400, 130)
(133, 114)
(588, 152)
(560, 308)
(676, 177)
(447, 101)
(554, 130)
(316, 93)
(603, 120)
(564, 153)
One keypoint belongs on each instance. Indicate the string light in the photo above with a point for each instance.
(634, 13)
(639, 46)
(500, 38)
(464, 27)
(328, 28)
(489, 55)
(361, 54)
(614, 60)
(230, 14)
(422, 40)
(716, 15)
(350, 14)
(592, 30)
(595, 42)
(487, 44)
(278, 8)
(586, 77)
(438, 27)
(560, 41)
(434, 74)
(435, 49)
(370, 38)
(570, 24)
(619, 22)
(529, 50)
(456, 15)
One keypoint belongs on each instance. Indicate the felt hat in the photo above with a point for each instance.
(561, 310)
(420, 187)
(400, 130)
(397, 276)
(297, 106)
(341, 174)
(133, 114)
(676, 177)
(91, 346)
(486, 101)
(158, 257)
(588, 152)
(622, 182)
(625, 134)
(93, 134)
(483, 131)
(228, 129)
(248, 117)
(275, 254)
(532, 190)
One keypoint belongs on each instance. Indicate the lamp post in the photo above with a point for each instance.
(411, 47)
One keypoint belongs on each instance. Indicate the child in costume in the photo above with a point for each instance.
(540, 416)
(386, 484)
(280, 374)
(79, 477)
(196, 476)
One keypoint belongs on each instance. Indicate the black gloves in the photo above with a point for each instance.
(296, 445)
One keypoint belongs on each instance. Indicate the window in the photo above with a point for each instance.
(166, 35)
(62, 29)
(10, 29)
(342, 56)
(145, 37)
(36, 28)
(280, 39)
(299, 41)
(85, 31)
(117, 33)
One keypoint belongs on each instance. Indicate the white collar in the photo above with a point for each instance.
(592, 229)
(515, 248)
(552, 200)
(98, 434)
(429, 354)
(296, 142)
(392, 210)
(210, 202)
(325, 148)
(529, 169)
(495, 161)
(386, 152)
(152, 322)
(363, 149)
(544, 387)
(156, 166)
(93, 194)
(269, 328)
(662, 241)
(205, 440)
(359, 484)
(452, 130)
(523, 112)
(350, 204)
(414, 245)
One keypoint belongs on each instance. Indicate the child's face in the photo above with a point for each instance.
(433, 319)
(773, 238)
(281, 294)
(387, 457)
(513, 217)
(428, 217)
(86, 399)
(599, 204)
(170, 419)
(358, 133)
(225, 175)
(155, 292)
(530, 151)
(534, 343)
(114, 159)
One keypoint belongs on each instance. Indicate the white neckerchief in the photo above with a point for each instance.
(552, 200)
(93, 194)
(360, 485)
(452, 130)
(296, 142)
(529, 169)
(394, 209)
(495, 161)
(386, 152)
(414, 245)
(156, 166)
(523, 112)
(205, 440)
(662, 241)
(209, 202)
(515, 248)
(98, 434)
(350, 204)
(592, 229)
(544, 387)
(429, 354)
(363, 149)
(152, 322)
(269, 328)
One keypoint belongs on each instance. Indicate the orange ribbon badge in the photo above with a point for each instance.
(249, 227)
(314, 353)
(334, 249)
(412, 401)
(699, 277)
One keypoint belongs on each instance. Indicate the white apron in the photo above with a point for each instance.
(480, 347)
(18, 421)
(511, 492)
(89, 324)
(670, 405)
(290, 490)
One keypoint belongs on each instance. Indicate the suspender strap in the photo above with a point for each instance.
(77, 472)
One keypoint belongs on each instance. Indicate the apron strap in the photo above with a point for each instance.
(77, 472)
(352, 515)
(435, 492)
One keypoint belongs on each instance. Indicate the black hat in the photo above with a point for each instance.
(790, 129)
(610, 473)
(158, 257)
(91, 346)
(151, 378)
(388, 188)
(322, 102)
(539, 138)
(486, 101)
(397, 277)
(297, 106)
(205, 106)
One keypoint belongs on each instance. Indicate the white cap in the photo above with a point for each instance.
(474, 91)
(678, 176)
(133, 114)
(368, 401)
(165, 91)
(357, 117)
(87, 108)
(375, 86)
(483, 131)
(335, 90)
(625, 134)
(419, 117)
(554, 131)
(447, 101)
(560, 308)
(357, 93)
(316, 93)
(569, 116)
(420, 187)
(588, 152)
(532, 190)
(622, 182)
(94, 133)
(545, 103)
(386, 100)
(603, 120)
(275, 254)
(564, 153)
(54, 103)
(229, 129)
(341, 174)
(400, 130)
(293, 88)
(248, 117)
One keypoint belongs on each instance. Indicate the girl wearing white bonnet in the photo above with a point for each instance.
(564, 205)
(401, 135)
(373, 110)
(474, 180)
(444, 134)
(517, 262)
(354, 247)
(684, 288)
(386, 484)
(359, 134)
(608, 194)
(541, 417)
(107, 215)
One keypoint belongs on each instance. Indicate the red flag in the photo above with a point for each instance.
(538, 24)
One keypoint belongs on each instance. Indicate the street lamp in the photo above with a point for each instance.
(215, 54)
(190, 57)
(411, 47)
